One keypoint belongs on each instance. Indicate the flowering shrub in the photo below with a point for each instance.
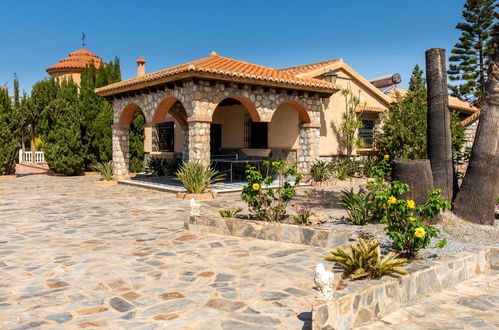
(270, 204)
(305, 209)
(404, 218)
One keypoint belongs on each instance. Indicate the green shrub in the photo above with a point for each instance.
(367, 166)
(270, 204)
(358, 206)
(404, 218)
(230, 213)
(105, 170)
(345, 168)
(321, 171)
(197, 177)
(365, 260)
(162, 166)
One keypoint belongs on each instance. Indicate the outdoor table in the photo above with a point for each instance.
(231, 161)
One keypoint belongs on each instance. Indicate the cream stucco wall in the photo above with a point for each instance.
(66, 76)
(231, 117)
(328, 144)
(284, 128)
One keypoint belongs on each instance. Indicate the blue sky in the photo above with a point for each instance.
(374, 37)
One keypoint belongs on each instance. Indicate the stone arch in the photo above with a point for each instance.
(250, 107)
(128, 113)
(164, 108)
(302, 113)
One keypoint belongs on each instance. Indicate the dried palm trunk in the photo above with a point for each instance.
(438, 131)
(477, 196)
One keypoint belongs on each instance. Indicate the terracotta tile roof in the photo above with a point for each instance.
(224, 68)
(454, 102)
(76, 61)
(471, 119)
(294, 70)
(369, 109)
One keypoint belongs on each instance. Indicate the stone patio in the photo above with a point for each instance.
(77, 255)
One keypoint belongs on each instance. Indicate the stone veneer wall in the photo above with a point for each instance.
(200, 101)
(272, 231)
(120, 150)
(362, 301)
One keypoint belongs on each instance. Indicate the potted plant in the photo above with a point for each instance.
(197, 179)
(106, 172)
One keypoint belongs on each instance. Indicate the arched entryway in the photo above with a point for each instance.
(167, 129)
(284, 127)
(236, 125)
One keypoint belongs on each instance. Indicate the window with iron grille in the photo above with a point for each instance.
(166, 136)
(367, 132)
(255, 134)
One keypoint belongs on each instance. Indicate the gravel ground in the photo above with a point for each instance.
(460, 235)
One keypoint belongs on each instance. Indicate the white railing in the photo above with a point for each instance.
(28, 157)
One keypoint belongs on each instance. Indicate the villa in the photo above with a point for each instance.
(221, 106)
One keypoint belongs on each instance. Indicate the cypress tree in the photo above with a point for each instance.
(8, 145)
(63, 145)
(136, 142)
(471, 55)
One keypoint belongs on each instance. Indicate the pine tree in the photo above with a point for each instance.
(472, 53)
(403, 133)
(8, 145)
(63, 145)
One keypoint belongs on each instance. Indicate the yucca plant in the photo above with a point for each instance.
(320, 171)
(197, 177)
(365, 260)
(230, 213)
(358, 206)
(105, 170)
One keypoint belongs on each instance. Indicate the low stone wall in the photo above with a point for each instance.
(272, 231)
(362, 301)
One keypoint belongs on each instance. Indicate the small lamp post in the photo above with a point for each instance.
(331, 77)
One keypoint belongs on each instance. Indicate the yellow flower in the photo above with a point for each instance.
(412, 218)
(384, 206)
(392, 200)
(256, 186)
(386, 157)
(419, 232)
(411, 204)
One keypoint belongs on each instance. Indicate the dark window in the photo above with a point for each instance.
(259, 135)
(216, 139)
(367, 133)
(166, 136)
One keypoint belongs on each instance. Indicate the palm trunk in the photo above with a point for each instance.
(476, 198)
(438, 129)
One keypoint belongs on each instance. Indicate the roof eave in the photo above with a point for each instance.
(179, 76)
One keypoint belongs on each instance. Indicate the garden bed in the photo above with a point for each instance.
(338, 182)
(362, 301)
(272, 231)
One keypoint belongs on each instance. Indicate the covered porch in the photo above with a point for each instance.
(217, 109)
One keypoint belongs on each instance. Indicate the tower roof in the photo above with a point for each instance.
(75, 62)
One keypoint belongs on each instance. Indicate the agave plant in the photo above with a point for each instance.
(320, 171)
(105, 170)
(365, 260)
(230, 213)
(358, 206)
(197, 177)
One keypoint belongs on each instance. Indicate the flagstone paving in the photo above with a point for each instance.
(77, 255)
(472, 304)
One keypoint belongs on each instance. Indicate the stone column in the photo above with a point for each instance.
(120, 151)
(197, 140)
(309, 146)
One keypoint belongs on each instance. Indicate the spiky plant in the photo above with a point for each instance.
(365, 260)
(320, 171)
(230, 213)
(105, 170)
(197, 177)
(358, 206)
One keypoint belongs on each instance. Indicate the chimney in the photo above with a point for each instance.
(141, 67)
